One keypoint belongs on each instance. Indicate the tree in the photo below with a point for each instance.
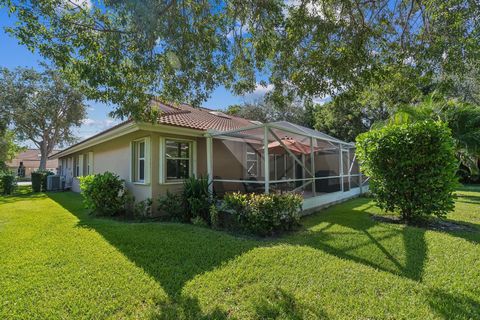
(298, 112)
(8, 147)
(42, 106)
(126, 51)
(411, 167)
(355, 110)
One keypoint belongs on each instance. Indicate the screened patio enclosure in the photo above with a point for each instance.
(283, 157)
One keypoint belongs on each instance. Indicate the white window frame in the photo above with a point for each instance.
(163, 159)
(135, 161)
(78, 165)
(90, 163)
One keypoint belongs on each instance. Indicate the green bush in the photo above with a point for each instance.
(411, 168)
(265, 214)
(8, 182)
(103, 193)
(194, 201)
(36, 181)
(214, 216)
(197, 198)
(172, 206)
(143, 209)
(198, 221)
(39, 180)
(132, 209)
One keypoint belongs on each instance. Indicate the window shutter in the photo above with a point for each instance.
(147, 160)
(90, 163)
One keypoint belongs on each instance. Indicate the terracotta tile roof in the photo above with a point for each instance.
(31, 159)
(183, 115)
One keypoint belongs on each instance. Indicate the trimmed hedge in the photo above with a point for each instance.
(103, 193)
(39, 180)
(265, 214)
(8, 183)
(36, 181)
(412, 168)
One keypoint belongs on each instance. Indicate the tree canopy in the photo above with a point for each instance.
(126, 51)
(43, 108)
(299, 112)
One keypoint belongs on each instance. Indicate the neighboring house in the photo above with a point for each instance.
(29, 161)
(186, 141)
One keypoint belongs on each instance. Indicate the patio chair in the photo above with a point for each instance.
(253, 187)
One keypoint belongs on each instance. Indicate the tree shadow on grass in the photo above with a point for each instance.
(186, 308)
(349, 232)
(473, 235)
(22, 193)
(171, 253)
(279, 304)
(453, 305)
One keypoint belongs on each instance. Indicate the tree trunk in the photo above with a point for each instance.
(43, 156)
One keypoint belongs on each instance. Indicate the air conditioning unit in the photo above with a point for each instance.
(55, 182)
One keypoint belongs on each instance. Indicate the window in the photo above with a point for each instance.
(252, 162)
(178, 159)
(89, 161)
(77, 166)
(86, 168)
(140, 160)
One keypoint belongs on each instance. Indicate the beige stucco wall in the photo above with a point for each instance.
(115, 156)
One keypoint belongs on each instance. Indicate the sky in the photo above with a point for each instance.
(13, 54)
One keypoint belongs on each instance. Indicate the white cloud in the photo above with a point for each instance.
(409, 61)
(87, 4)
(259, 92)
(313, 8)
(88, 122)
(105, 123)
(322, 100)
(91, 126)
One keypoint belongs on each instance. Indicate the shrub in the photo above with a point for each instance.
(214, 216)
(39, 180)
(265, 214)
(136, 209)
(129, 203)
(172, 205)
(197, 198)
(36, 182)
(8, 182)
(411, 168)
(103, 193)
(143, 209)
(198, 221)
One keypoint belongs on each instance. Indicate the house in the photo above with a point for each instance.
(29, 161)
(231, 151)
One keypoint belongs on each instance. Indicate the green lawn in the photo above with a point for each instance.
(58, 262)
